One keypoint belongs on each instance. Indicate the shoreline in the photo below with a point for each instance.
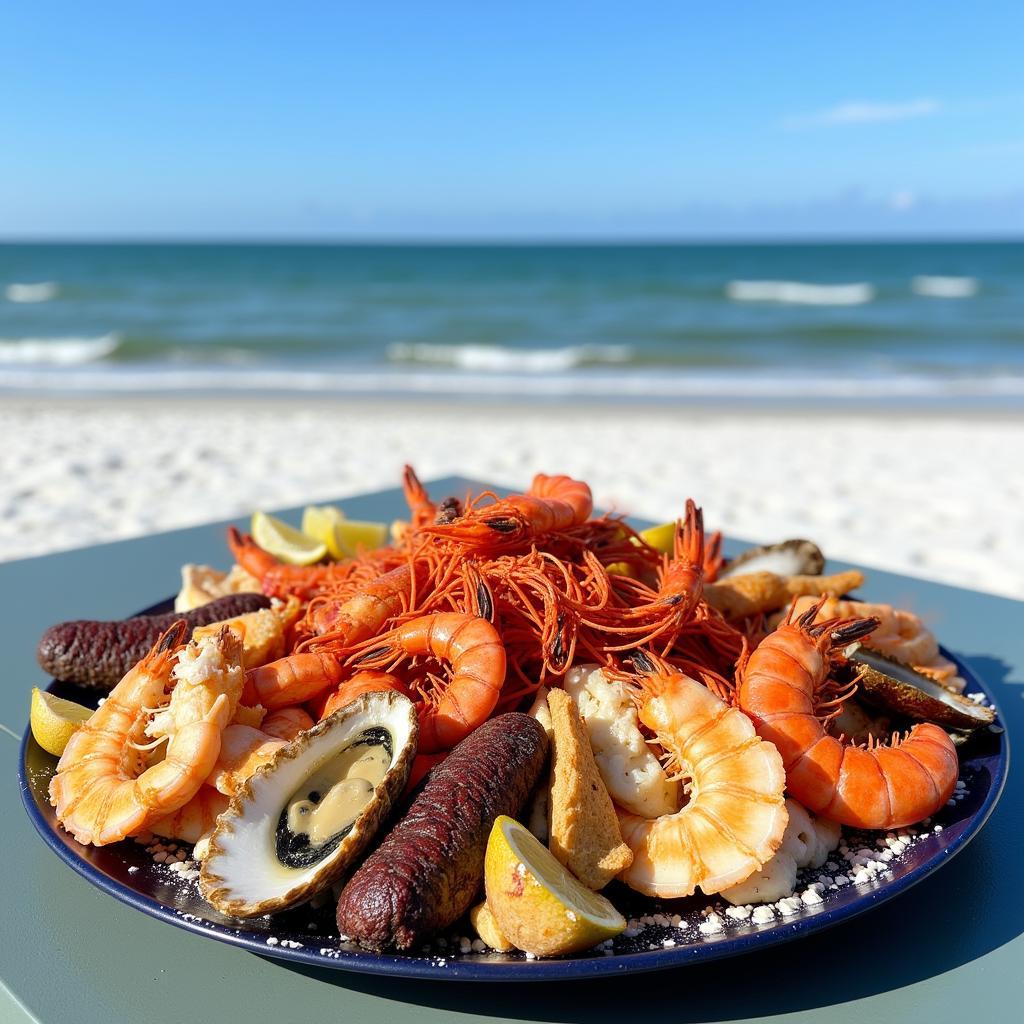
(583, 407)
(929, 493)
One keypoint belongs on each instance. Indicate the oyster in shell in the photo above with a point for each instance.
(300, 820)
(789, 558)
(898, 688)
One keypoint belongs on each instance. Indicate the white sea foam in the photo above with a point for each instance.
(800, 293)
(55, 351)
(944, 287)
(498, 358)
(41, 291)
(708, 386)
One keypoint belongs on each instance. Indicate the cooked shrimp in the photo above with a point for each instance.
(280, 580)
(340, 623)
(102, 790)
(784, 688)
(292, 680)
(242, 750)
(735, 816)
(348, 621)
(366, 681)
(662, 612)
(423, 510)
(900, 633)
(196, 819)
(553, 503)
(209, 668)
(475, 655)
(286, 723)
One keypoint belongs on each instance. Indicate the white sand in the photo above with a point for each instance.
(929, 495)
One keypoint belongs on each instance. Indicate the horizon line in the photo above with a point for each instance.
(581, 241)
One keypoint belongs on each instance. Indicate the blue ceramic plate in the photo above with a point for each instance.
(307, 936)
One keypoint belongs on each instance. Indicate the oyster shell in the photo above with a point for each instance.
(789, 558)
(270, 850)
(894, 686)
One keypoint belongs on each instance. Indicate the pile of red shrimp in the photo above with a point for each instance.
(482, 600)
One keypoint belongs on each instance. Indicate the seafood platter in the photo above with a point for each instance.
(507, 737)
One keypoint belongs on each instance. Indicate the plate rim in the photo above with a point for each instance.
(428, 967)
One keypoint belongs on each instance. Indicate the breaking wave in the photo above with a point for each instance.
(498, 358)
(608, 385)
(944, 287)
(800, 293)
(56, 351)
(41, 291)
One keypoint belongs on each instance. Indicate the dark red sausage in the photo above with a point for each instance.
(98, 654)
(426, 874)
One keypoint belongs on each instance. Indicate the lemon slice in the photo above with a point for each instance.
(55, 720)
(285, 542)
(319, 521)
(353, 535)
(661, 538)
(537, 904)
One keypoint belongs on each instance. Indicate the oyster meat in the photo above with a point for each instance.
(303, 818)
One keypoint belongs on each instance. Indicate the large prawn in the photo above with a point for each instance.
(475, 655)
(103, 791)
(734, 817)
(654, 613)
(784, 686)
(553, 503)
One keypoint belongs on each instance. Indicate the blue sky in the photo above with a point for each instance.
(518, 120)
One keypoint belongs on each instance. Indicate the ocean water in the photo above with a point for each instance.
(891, 323)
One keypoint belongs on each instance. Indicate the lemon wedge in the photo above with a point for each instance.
(319, 521)
(55, 720)
(537, 904)
(481, 918)
(353, 535)
(661, 538)
(285, 542)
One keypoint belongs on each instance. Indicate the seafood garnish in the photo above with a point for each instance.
(300, 820)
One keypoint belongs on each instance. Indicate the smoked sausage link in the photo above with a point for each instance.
(426, 874)
(98, 654)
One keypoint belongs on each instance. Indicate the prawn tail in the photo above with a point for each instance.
(249, 555)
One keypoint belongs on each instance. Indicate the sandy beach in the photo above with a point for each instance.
(931, 495)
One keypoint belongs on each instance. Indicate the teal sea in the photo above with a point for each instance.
(919, 323)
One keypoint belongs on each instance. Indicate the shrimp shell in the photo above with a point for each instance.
(99, 792)
(877, 786)
(735, 817)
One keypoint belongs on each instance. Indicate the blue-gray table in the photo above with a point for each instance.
(949, 950)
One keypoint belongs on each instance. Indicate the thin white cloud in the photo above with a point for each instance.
(866, 113)
(903, 200)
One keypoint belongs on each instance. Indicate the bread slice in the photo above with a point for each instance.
(585, 834)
